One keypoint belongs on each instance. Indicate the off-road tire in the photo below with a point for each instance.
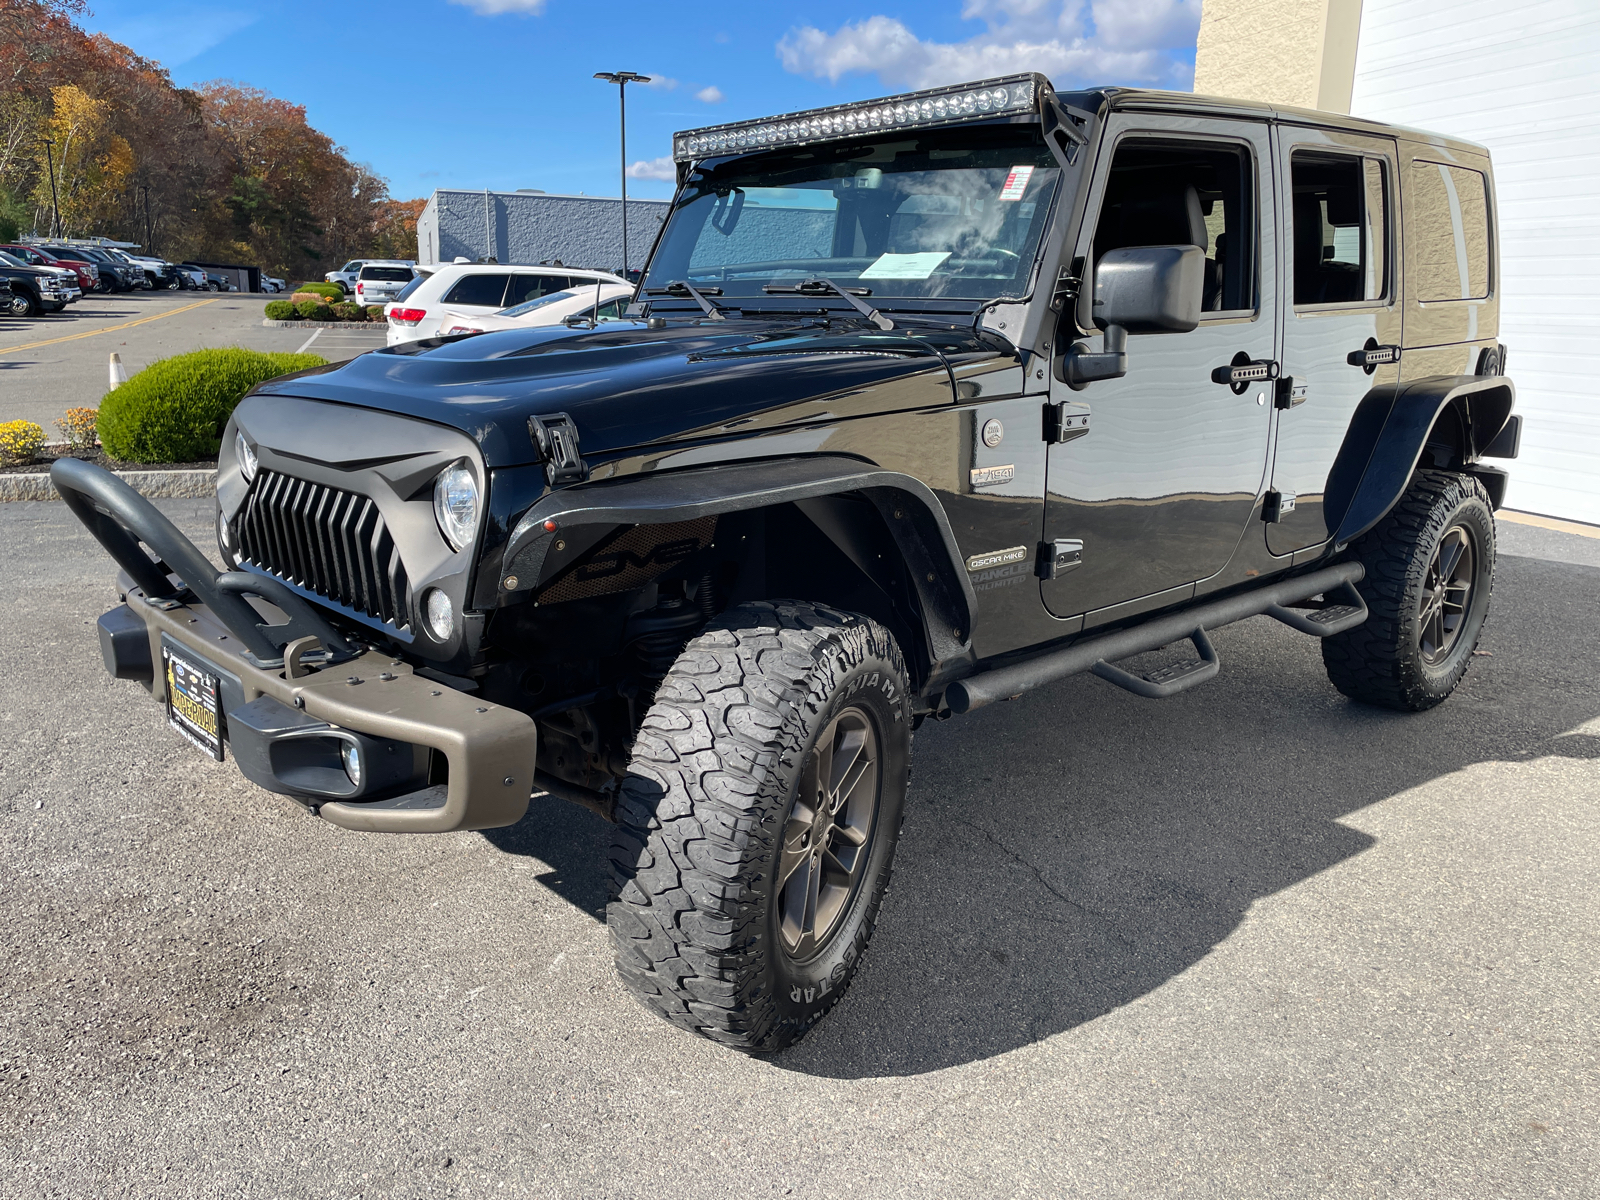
(700, 819)
(1382, 661)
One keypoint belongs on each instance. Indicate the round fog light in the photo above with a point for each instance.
(351, 755)
(440, 614)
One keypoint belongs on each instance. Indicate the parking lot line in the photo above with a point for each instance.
(72, 337)
(307, 344)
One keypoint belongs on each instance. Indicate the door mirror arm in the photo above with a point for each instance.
(1081, 366)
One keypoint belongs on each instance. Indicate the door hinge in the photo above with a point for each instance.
(1289, 394)
(1276, 505)
(556, 439)
(1058, 557)
(1065, 421)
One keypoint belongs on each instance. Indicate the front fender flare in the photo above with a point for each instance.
(1388, 433)
(912, 512)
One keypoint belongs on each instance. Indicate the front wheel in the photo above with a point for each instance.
(1430, 569)
(24, 305)
(758, 822)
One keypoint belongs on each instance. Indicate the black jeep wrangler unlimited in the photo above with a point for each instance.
(921, 403)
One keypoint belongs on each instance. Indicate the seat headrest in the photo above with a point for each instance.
(1163, 219)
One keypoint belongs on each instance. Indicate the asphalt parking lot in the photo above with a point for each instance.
(61, 360)
(1252, 941)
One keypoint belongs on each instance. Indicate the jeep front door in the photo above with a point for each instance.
(1341, 332)
(1160, 470)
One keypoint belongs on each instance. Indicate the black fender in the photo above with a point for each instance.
(910, 510)
(1392, 427)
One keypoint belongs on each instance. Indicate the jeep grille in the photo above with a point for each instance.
(330, 542)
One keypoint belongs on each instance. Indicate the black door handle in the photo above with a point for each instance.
(1243, 371)
(1372, 356)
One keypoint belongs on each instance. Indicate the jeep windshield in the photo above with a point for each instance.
(952, 214)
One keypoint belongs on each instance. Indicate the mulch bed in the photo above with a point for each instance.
(41, 465)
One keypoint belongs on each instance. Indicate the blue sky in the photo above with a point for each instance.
(499, 94)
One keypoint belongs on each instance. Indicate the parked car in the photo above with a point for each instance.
(346, 275)
(1000, 387)
(86, 273)
(66, 278)
(209, 280)
(159, 274)
(605, 302)
(115, 275)
(192, 278)
(35, 290)
(380, 281)
(469, 290)
(270, 283)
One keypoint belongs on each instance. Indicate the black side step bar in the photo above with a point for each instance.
(1098, 654)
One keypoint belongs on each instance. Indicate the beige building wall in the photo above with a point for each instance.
(1293, 52)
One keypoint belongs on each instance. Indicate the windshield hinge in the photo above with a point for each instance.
(556, 439)
(1068, 284)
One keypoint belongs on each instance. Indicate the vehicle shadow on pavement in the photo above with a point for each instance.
(1068, 854)
(571, 840)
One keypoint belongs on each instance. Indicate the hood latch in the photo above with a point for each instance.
(556, 439)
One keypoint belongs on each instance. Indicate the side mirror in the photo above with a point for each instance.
(1138, 289)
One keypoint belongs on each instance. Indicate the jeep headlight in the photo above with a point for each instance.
(455, 505)
(246, 454)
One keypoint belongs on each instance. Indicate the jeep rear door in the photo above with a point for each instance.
(1340, 295)
(1164, 477)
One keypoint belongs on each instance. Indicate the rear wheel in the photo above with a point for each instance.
(758, 822)
(1430, 569)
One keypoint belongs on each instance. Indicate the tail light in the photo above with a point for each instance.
(358, 287)
(407, 316)
(459, 329)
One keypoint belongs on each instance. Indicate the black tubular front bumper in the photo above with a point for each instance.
(299, 679)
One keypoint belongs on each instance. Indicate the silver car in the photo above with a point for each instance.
(380, 282)
(346, 275)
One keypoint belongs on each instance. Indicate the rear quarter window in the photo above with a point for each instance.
(486, 290)
(1449, 232)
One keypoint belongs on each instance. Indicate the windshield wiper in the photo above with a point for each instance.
(810, 287)
(679, 287)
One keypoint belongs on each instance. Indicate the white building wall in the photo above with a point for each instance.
(1524, 81)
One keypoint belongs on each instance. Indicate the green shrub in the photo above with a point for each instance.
(331, 290)
(375, 312)
(313, 310)
(175, 409)
(349, 312)
(281, 310)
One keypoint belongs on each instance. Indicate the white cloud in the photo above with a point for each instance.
(663, 83)
(495, 8)
(709, 95)
(1075, 42)
(655, 168)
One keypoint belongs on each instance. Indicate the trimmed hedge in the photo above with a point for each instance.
(375, 312)
(350, 312)
(332, 291)
(175, 409)
(313, 310)
(281, 310)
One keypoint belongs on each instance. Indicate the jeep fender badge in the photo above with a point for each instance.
(996, 558)
(984, 476)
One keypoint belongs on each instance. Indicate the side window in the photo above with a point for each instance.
(611, 309)
(531, 287)
(1340, 228)
(485, 290)
(1448, 229)
(1163, 193)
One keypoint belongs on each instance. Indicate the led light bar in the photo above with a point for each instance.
(938, 106)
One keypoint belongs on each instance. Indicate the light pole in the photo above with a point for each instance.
(148, 248)
(622, 79)
(55, 201)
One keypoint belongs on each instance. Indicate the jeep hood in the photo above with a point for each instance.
(625, 385)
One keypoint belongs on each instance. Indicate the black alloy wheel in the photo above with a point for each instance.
(1446, 594)
(1430, 571)
(827, 838)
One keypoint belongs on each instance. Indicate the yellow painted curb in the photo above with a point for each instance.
(1555, 523)
(72, 337)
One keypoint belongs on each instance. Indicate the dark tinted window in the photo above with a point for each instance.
(1340, 229)
(487, 290)
(387, 274)
(531, 287)
(1448, 231)
(1178, 194)
(405, 292)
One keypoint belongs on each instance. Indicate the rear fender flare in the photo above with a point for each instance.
(1392, 426)
(915, 519)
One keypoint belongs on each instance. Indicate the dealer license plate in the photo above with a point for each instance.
(194, 701)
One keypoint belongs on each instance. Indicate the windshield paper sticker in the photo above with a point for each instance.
(1016, 183)
(906, 266)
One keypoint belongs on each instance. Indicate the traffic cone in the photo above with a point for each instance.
(119, 373)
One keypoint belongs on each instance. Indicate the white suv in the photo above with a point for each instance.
(345, 276)
(458, 290)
